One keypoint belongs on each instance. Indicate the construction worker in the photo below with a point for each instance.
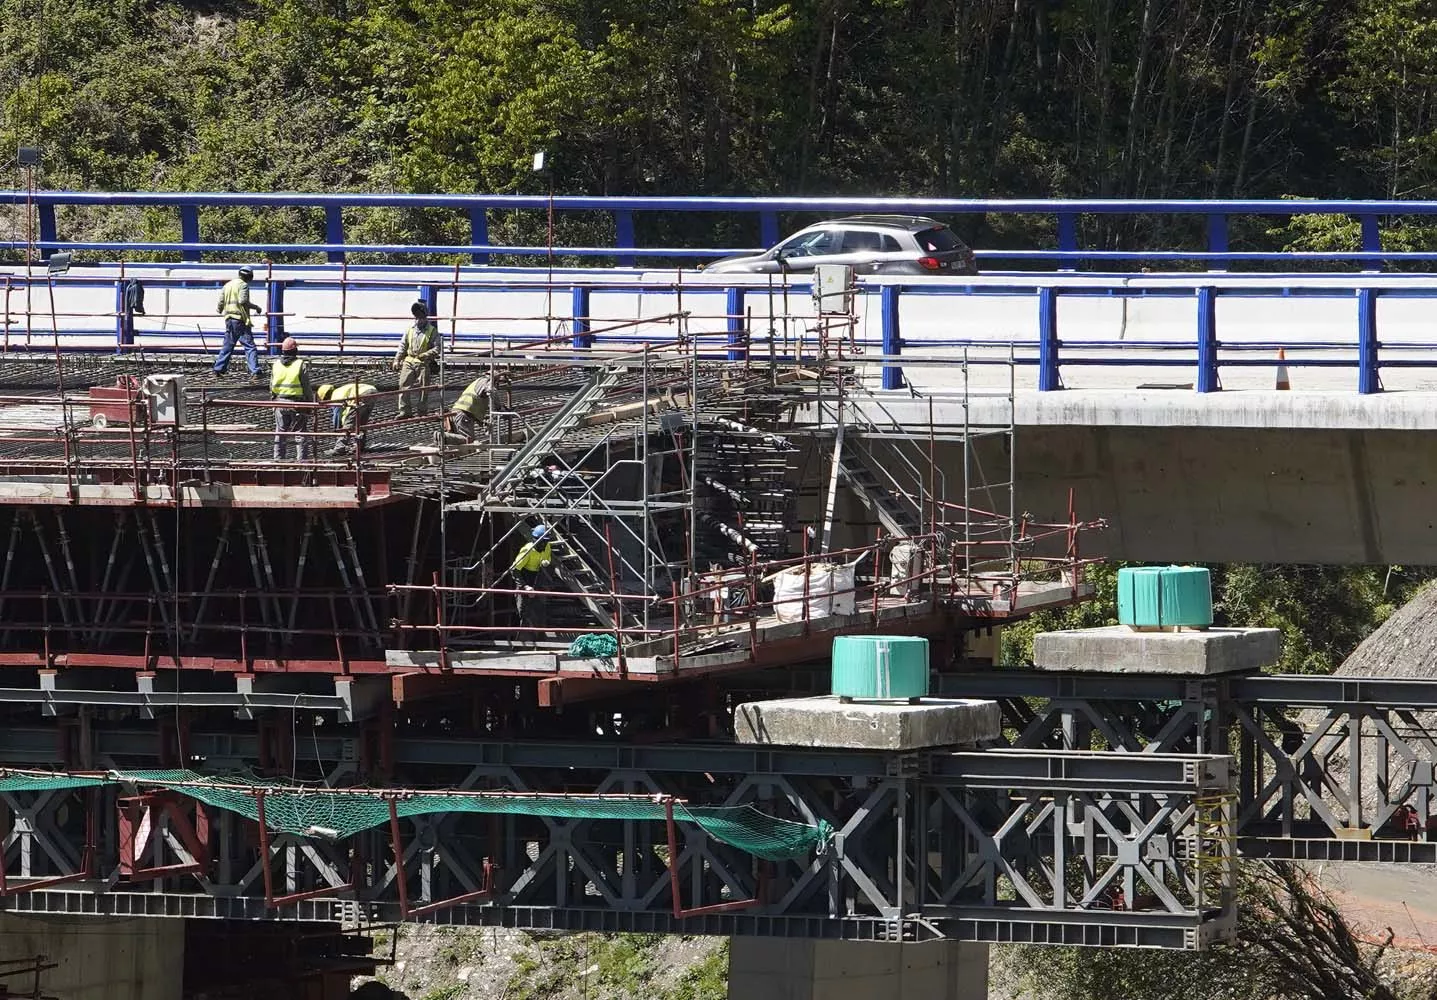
(289, 383)
(350, 409)
(471, 410)
(534, 557)
(416, 362)
(235, 307)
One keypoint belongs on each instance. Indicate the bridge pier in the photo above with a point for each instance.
(775, 969)
(169, 958)
(97, 958)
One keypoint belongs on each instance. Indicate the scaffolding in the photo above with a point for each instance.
(717, 492)
(1213, 849)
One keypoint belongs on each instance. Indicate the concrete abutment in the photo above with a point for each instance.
(777, 969)
(99, 958)
(173, 958)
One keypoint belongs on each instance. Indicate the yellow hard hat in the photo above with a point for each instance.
(324, 391)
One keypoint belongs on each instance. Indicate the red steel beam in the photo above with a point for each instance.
(676, 898)
(556, 692)
(370, 487)
(406, 912)
(270, 899)
(155, 807)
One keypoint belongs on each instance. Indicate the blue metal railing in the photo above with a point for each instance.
(1206, 353)
(106, 328)
(768, 212)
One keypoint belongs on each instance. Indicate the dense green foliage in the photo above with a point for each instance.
(987, 98)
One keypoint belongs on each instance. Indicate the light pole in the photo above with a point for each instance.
(28, 158)
(541, 167)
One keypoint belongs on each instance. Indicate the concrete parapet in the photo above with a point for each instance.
(1339, 409)
(828, 722)
(1122, 650)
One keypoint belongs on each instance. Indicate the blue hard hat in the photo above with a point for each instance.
(538, 532)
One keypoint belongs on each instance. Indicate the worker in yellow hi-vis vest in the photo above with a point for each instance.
(351, 409)
(471, 410)
(528, 567)
(417, 362)
(289, 383)
(235, 307)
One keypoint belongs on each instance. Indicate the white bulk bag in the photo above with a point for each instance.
(844, 596)
(788, 592)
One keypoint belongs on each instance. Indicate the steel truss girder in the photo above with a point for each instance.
(1356, 761)
(1299, 691)
(980, 924)
(34, 745)
(43, 847)
(926, 846)
(1313, 774)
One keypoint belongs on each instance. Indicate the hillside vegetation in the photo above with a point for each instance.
(1092, 98)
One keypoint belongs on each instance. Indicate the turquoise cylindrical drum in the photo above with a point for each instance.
(1139, 602)
(880, 666)
(1187, 596)
(1167, 596)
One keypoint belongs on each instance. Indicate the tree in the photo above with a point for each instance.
(1291, 943)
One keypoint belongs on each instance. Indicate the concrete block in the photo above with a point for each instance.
(827, 722)
(1121, 650)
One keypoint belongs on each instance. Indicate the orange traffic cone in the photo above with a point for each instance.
(1283, 382)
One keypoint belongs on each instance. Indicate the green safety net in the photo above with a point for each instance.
(594, 645)
(304, 809)
(11, 782)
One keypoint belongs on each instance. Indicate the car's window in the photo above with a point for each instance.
(938, 240)
(890, 244)
(861, 241)
(820, 241)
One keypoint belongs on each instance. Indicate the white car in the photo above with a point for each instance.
(871, 244)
